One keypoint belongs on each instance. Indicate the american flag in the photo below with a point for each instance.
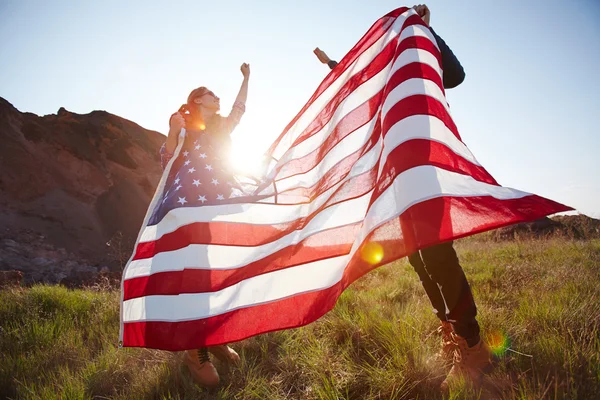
(371, 169)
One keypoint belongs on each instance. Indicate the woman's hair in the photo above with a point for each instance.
(193, 116)
(194, 120)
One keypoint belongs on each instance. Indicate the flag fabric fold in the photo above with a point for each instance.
(370, 170)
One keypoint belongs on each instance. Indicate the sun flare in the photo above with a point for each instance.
(246, 157)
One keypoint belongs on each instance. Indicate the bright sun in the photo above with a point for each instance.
(246, 156)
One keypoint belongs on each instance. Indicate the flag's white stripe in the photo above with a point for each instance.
(313, 142)
(367, 161)
(407, 88)
(409, 56)
(360, 95)
(423, 127)
(412, 87)
(250, 292)
(353, 142)
(364, 164)
(218, 257)
(343, 149)
(422, 181)
(246, 213)
(359, 64)
(418, 30)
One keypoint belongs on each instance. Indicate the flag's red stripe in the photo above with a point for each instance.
(410, 71)
(418, 104)
(366, 111)
(448, 218)
(356, 119)
(326, 244)
(391, 52)
(378, 63)
(358, 184)
(224, 233)
(412, 105)
(232, 326)
(410, 154)
(350, 123)
(421, 43)
(373, 35)
(338, 172)
(419, 152)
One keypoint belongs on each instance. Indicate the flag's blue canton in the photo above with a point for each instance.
(198, 177)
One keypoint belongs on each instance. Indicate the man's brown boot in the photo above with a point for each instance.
(202, 369)
(469, 363)
(225, 354)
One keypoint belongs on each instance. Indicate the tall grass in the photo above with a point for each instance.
(538, 306)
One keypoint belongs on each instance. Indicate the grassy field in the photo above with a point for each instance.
(539, 306)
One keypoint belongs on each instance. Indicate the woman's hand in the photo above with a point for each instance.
(245, 68)
(176, 123)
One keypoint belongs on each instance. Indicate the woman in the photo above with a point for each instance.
(207, 138)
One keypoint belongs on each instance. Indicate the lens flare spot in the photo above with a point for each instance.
(372, 253)
(499, 342)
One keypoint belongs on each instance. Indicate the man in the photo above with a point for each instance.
(439, 269)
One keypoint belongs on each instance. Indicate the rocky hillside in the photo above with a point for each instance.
(568, 226)
(73, 190)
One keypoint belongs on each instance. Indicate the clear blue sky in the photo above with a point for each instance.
(528, 108)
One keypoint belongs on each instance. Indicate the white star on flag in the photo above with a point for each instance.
(177, 181)
(215, 182)
(203, 155)
(185, 153)
(197, 147)
(178, 187)
(202, 198)
(191, 170)
(196, 182)
(220, 197)
(187, 162)
(182, 200)
(209, 167)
